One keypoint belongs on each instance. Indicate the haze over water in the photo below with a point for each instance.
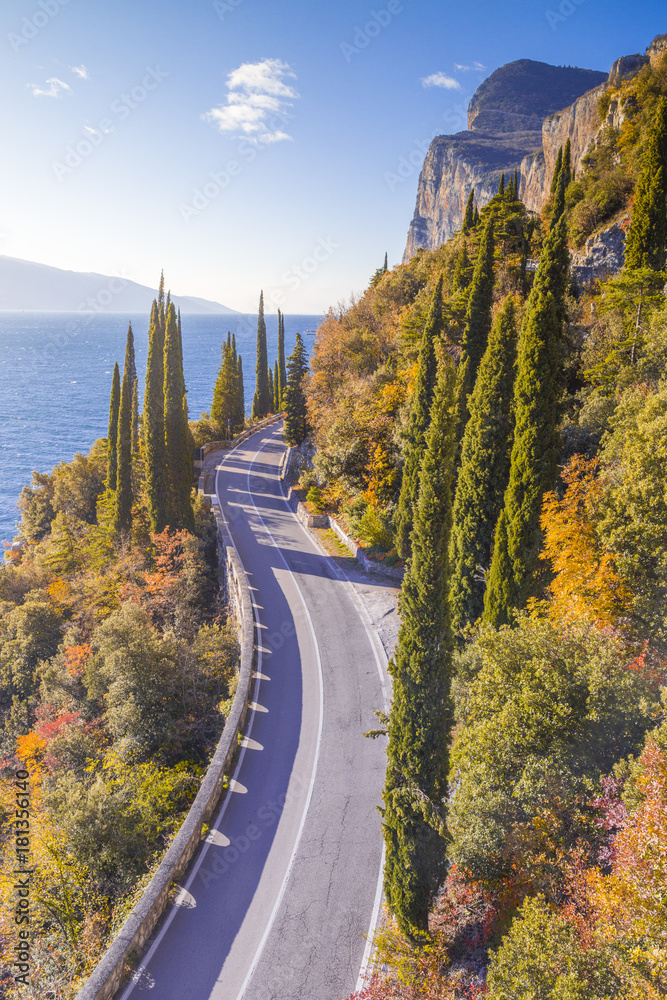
(55, 380)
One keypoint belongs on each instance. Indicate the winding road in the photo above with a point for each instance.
(278, 901)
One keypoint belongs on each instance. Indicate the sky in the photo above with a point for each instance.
(247, 144)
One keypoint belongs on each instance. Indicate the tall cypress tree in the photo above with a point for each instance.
(559, 196)
(647, 239)
(177, 445)
(536, 445)
(485, 462)
(282, 371)
(272, 395)
(240, 395)
(296, 414)
(501, 185)
(469, 214)
(123, 500)
(131, 371)
(556, 175)
(420, 415)
(478, 324)
(225, 394)
(386, 262)
(112, 442)
(276, 388)
(261, 401)
(476, 219)
(462, 270)
(421, 714)
(153, 426)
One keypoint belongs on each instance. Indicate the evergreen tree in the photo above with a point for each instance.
(261, 401)
(421, 714)
(559, 196)
(296, 414)
(123, 500)
(240, 413)
(501, 185)
(177, 443)
(224, 410)
(112, 442)
(462, 270)
(516, 185)
(276, 388)
(281, 357)
(559, 164)
(135, 417)
(420, 412)
(567, 162)
(485, 460)
(386, 262)
(153, 426)
(469, 214)
(133, 383)
(647, 239)
(536, 445)
(272, 395)
(475, 219)
(477, 326)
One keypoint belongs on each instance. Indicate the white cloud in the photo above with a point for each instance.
(55, 89)
(441, 80)
(257, 102)
(464, 69)
(81, 72)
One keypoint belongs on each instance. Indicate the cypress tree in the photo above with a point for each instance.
(647, 238)
(177, 444)
(516, 185)
(418, 422)
(559, 164)
(475, 220)
(130, 371)
(225, 394)
(282, 371)
(386, 262)
(112, 439)
(559, 196)
(153, 426)
(272, 395)
(123, 500)
(567, 162)
(469, 214)
(501, 185)
(477, 326)
(536, 445)
(498, 594)
(462, 271)
(135, 417)
(276, 387)
(240, 395)
(485, 461)
(421, 714)
(261, 401)
(296, 414)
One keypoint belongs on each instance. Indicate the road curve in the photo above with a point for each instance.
(278, 900)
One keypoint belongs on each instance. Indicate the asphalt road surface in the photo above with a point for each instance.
(278, 902)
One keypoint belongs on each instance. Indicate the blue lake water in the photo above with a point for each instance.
(55, 379)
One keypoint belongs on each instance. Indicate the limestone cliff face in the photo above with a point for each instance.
(514, 121)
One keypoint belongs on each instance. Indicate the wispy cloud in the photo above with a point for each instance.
(257, 102)
(464, 69)
(81, 72)
(55, 89)
(441, 80)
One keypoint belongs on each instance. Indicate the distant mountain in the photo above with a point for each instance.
(41, 288)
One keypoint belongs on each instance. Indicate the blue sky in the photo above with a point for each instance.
(242, 144)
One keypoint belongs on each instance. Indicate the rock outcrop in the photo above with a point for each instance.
(603, 254)
(518, 119)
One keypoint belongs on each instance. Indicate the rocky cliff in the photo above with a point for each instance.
(518, 119)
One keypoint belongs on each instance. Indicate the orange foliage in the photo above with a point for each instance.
(586, 585)
(76, 658)
(30, 749)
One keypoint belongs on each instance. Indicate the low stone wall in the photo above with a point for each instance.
(108, 974)
(228, 445)
(304, 515)
(370, 565)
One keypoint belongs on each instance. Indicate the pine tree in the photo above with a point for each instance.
(296, 414)
(469, 214)
(462, 270)
(536, 445)
(122, 514)
(421, 714)
(477, 326)
(419, 419)
(276, 387)
(153, 427)
(261, 401)
(559, 164)
(647, 239)
(485, 461)
(272, 395)
(281, 357)
(112, 443)
(177, 443)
